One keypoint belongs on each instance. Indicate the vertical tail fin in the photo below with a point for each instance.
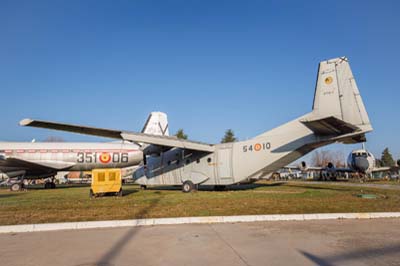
(337, 94)
(156, 124)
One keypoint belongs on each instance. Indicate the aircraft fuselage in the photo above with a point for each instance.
(45, 159)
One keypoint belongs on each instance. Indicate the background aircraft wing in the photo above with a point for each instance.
(164, 141)
(381, 169)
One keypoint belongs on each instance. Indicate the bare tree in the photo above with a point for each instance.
(323, 157)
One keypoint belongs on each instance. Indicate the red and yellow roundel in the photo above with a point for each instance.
(257, 146)
(328, 80)
(105, 157)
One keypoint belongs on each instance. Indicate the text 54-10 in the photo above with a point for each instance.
(257, 147)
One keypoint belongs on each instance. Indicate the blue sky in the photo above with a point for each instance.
(210, 65)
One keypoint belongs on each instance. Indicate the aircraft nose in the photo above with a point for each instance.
(361, 164)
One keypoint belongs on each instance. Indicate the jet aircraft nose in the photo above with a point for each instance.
(361, 164)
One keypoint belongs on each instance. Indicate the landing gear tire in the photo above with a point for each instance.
(143, 187)
(16, 187)
(187, 186)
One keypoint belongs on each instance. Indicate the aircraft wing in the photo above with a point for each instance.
(164, 141)
(101, 132)
(329, 126)
(381, 169)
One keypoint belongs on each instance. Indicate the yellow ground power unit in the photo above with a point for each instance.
(106, 181)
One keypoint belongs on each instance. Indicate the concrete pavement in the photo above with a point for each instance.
(327, 242)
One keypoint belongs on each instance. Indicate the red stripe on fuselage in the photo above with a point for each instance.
(66, 150)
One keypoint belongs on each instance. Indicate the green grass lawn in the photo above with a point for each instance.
(66, 204)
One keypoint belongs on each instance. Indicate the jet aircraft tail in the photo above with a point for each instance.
(337, 101)
(156, 124)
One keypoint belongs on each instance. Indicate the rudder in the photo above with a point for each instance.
(156, 124)
(337, 94)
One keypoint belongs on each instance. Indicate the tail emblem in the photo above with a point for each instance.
(328, 80)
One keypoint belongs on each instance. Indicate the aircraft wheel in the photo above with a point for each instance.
(187, 186)
(143, 187)
(15, 187)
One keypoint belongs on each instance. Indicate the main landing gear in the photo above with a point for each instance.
(188, 186)
(17, 184)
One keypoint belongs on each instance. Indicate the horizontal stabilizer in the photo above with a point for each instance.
(330, 126)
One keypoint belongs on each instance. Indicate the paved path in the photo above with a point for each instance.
(332, 242)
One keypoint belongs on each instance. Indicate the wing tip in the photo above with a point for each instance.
(25, 122)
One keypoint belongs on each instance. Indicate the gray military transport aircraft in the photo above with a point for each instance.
(338, 115)
(33, 160)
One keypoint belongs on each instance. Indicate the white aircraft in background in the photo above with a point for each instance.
(33, 160)
(359, 161)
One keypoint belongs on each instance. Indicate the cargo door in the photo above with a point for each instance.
(224, 165)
